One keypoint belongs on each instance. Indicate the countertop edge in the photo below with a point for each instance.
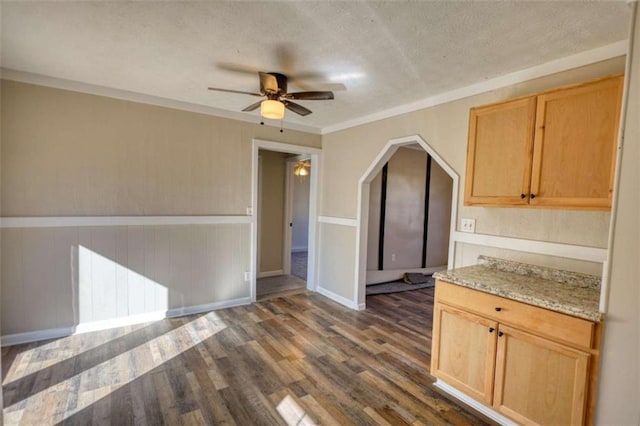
(529, 300)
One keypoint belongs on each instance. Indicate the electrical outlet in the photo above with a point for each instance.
(468, 225)
(393, 257)
(247, 276)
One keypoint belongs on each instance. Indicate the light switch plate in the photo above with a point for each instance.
(468, 225)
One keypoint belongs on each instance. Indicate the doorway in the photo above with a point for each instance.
(409, 214)
(296, 236)
(364, 200)
(278, 249)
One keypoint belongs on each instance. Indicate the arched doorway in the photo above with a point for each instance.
(363, 206)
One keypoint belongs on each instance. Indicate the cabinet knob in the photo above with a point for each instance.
(523, 196)
(498, 309)
(533, 196)
(500, 333)
(491, 329)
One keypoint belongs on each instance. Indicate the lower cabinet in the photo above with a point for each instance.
(466, 357)
(530, 378)
(538, 381)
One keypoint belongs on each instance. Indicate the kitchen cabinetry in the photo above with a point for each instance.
(465, 358)
(528, 363)
(551, 149)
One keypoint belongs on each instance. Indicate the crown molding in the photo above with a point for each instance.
(563, 64)
(93, 89)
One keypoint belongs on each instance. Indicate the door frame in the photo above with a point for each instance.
(362, 226)
(315, 154)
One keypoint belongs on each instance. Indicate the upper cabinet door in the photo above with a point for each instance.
(575, 145)
(499, 153)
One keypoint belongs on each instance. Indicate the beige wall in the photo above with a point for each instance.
(68, 153)
(71, 154)
(336, 242)
(348, 153)
(619, 390)
(271, 210)
(440, 191)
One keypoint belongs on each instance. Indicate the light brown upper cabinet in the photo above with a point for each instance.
(555, 149)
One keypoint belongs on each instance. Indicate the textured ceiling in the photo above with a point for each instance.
(387, 54)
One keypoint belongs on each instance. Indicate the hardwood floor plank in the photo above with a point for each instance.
(299, 357)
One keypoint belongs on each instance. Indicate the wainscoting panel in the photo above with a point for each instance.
(70, 276)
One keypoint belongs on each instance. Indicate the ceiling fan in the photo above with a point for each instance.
(273, 86)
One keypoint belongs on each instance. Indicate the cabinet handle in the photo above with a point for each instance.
(500, 333)
(491, 329)
(498, 309)
(523, 196)
(533, 196)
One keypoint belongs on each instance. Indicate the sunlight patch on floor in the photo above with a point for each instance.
(61, 350)
(292, 413)
(99, 381)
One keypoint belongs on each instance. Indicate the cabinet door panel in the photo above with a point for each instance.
(539, 381)
(463, 353)
(499, 153)
(575, 145)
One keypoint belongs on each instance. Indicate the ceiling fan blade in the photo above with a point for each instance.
(268, 83)
(253, 107)
(334, 87)
(315, 81)
(297, 108)
(310, 96)
(234, 91)
(238, 68)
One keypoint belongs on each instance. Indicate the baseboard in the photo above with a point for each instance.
(377, 277)
(467, 400)
(340, 299)
(197, 309)
(36, 336)
(56, 333)
(267, 274)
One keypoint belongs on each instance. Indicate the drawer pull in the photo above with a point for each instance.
(500, 333)
(491, 329)
(498, 309)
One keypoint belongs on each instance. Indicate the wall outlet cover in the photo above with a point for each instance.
(468, 225)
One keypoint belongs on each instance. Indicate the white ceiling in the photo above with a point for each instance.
(387, 54)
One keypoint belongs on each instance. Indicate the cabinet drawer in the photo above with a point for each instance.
(541, 321)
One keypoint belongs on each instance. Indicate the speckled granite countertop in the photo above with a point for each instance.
(561, 291)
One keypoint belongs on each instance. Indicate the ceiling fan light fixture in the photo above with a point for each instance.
(301, 168)
(272, 109)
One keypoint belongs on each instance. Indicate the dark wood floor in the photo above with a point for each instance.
(300, 359)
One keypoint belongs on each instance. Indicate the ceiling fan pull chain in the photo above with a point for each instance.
(281, 131)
